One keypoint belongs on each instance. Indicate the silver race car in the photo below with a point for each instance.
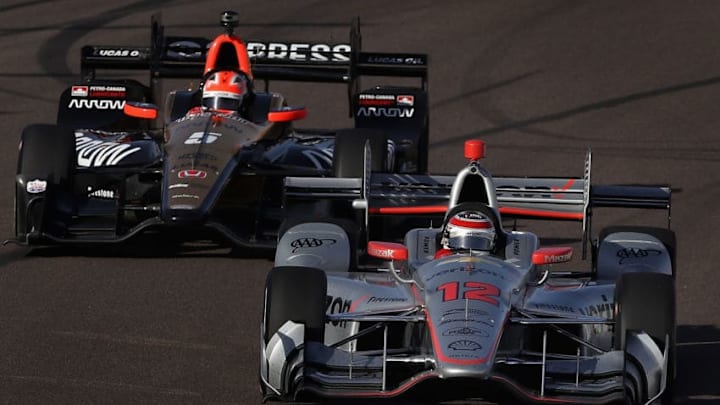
(468, 309)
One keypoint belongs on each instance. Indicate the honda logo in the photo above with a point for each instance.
(197, 174)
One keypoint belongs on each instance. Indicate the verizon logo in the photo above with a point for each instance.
(389, 112)
(95, 104)
(94, 153)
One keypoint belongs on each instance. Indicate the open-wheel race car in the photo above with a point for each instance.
(469, 309)
(214, 161)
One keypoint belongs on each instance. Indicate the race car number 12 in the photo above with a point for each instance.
(473, 290)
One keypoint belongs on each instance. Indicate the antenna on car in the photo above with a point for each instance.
(229, 20)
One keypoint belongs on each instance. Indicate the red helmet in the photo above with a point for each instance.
(225, 91)
(469, 230)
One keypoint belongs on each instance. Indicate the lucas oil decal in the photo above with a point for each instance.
(117, 52)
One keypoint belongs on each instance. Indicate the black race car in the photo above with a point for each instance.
(110, 168)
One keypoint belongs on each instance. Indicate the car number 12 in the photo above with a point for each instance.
(472, 290)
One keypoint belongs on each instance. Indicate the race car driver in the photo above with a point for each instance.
(465, 231)
(225, 92)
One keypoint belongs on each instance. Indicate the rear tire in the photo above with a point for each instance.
(295, 294)
(348, 156)
(47, 153)
(646, 302)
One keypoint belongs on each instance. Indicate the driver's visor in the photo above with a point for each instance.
(221, 103)
(472, 242)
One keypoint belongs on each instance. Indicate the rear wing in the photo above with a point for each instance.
(184, 57)
(518, 197)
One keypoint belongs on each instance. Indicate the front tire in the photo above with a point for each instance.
(47, 153)
(646, 302)
(295, 294)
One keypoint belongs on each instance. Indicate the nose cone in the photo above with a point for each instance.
(467, 307)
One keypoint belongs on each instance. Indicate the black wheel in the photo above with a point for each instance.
(295, 294)
(47, 154)
(646, 302)
(348, 156)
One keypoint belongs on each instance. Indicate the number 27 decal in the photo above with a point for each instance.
(473, 290)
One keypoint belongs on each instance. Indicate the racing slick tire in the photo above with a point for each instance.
(47, 153)
(348, 156)
(666, 236)
(295, 294)
(645, 301)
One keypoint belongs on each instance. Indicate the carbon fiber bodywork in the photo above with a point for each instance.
(205, 174)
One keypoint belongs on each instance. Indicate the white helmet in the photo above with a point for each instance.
(469, 230)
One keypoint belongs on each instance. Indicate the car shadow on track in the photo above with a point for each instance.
(150, 246)
(698, 348)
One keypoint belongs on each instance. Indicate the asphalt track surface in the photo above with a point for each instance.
(539, 81)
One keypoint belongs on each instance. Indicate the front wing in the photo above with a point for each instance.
(114, 205)
(293, 369)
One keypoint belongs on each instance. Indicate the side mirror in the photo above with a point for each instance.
(387, 250)
(287, 114)
(551, 255)
(137, 109)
